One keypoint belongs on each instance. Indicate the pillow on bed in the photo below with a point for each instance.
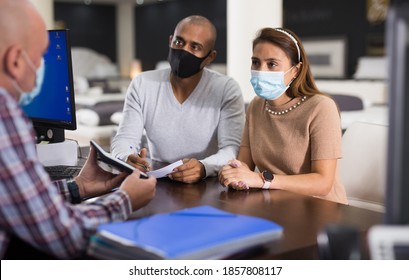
(87, 117)
(99, 114)
(116, 117)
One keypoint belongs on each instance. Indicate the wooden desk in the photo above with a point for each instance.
(301, 216)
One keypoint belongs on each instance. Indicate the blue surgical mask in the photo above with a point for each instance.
(27, 97)
(269, 84)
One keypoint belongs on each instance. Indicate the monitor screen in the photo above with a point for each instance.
(53, 110)
(397, 185)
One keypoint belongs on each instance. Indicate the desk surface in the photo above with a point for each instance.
(301, 216)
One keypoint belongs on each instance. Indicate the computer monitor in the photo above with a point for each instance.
(53, 110)
(397, 46)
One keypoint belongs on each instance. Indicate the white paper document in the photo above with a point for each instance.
(164, 171)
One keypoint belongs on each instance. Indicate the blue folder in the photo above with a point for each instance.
(194, 233)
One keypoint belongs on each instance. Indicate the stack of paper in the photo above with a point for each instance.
(201, 232)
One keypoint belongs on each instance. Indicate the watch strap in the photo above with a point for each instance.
(74, 192)
(266, 185)
(267, 181)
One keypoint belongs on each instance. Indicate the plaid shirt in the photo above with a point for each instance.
(35, 209)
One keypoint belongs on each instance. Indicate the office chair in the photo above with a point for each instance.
(347, 102)
(362, 168)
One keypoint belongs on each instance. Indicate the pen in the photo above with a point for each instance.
(141, 165)
(137, 163)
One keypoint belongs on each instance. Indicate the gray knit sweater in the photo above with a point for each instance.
(206, 126)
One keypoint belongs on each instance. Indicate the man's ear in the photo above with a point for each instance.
(170, 40)
(211, 57)
(12, 62)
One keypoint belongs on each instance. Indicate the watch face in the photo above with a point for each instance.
(268, 176)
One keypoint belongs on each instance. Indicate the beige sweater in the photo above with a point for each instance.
(286, 144)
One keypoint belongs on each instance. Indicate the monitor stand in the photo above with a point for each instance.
(62, 153)
(49, 134)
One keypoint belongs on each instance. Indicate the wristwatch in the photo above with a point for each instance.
(74, 191)
(267, 177)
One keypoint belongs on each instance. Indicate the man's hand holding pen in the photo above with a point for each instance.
(139, 160)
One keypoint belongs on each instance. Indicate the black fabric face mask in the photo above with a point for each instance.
(184, 64)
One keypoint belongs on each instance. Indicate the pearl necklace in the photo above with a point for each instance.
(286, 110)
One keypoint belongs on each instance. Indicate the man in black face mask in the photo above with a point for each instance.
(188, 111)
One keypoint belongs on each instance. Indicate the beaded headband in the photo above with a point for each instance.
(292, 38)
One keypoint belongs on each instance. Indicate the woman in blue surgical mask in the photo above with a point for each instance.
(292, 135)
